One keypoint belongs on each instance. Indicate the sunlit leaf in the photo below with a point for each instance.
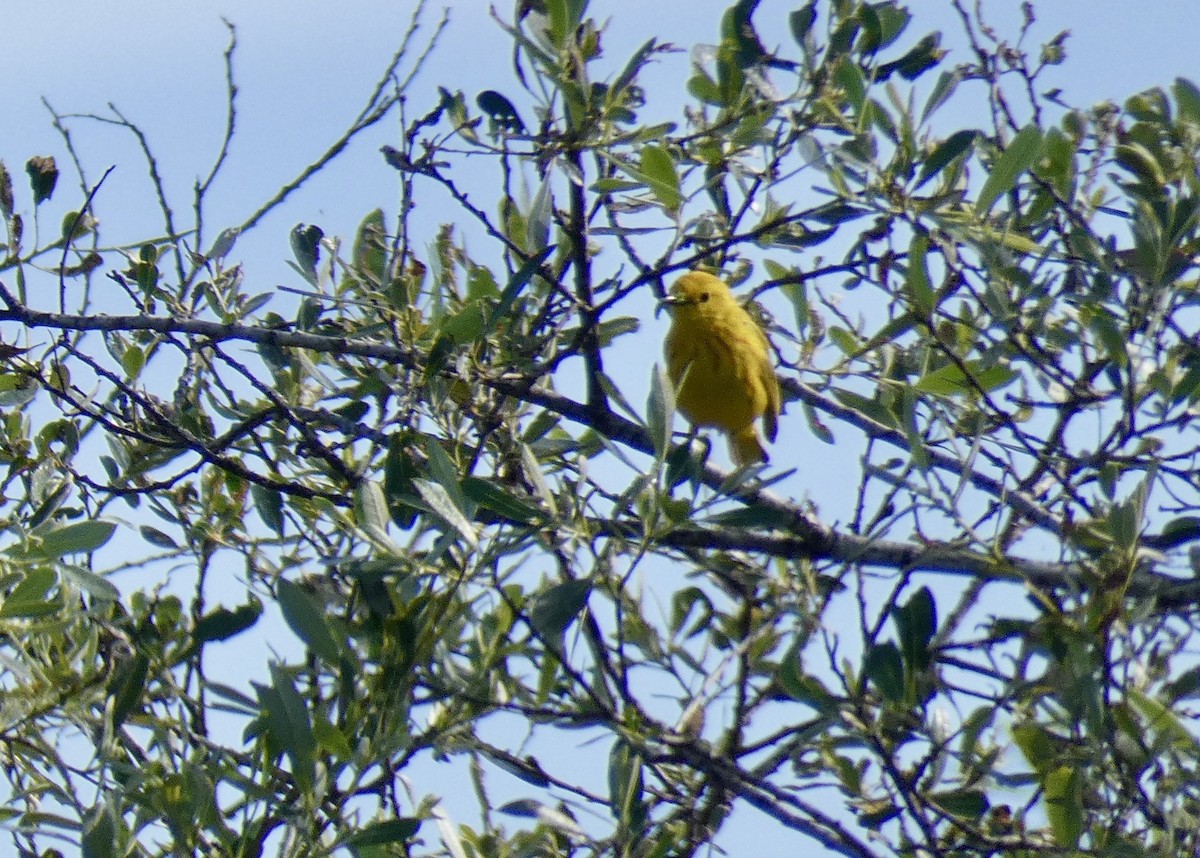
(1019, 156)
(659, 172)
(1064, 805)
(81, 537)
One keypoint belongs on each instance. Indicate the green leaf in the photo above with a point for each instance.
(659, 173)
(524, 772)
(802, 687)
(503, 114)
(614, 327)
(520, 279)
(926, 54)
(331, 739)
(969, 804)
(626, 788)
(801, 22)
(704, 88)
(306, 247)
(565, 17)
(891, 21)
(1165, 723)
(753, 517)
(685, 603)
(916, 280)
(30, 597)
(845, 340)
(945, 152)
(660, 411)
(1064, 805)
(289, 725)
(541, 216)
(125, 687)
(970, 379)
(492, 496)
(609, 186)
(43, 176)
(816, 425)
(916, 624)
(1187, 96)
(972, 728)
(370, 509)
(1125, 523)
(1020, 155)
(525, 807)
(1180, 530)
(885, 668)
(398, 472)
(81, 537)
(947, 82)
(849, 77)
(6, 193)
(1040, 747)
(133, 360)
(556, 608)
(98, 838)
(1141, 163)
(630, 72)
(442, 505)
(380, 833)
(222, 623)
(269, 503)
(304, 616)
(443, 470)
(869, 408)
(875, 814)
(370, 249)
(1110, 337)
(89, 582)
(467, 325)
(834, 213)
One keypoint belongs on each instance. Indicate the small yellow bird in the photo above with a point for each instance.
(719, 360)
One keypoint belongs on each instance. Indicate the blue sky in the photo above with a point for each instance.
(304, 71)
(305, 68)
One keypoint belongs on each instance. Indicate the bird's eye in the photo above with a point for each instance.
(703, 297)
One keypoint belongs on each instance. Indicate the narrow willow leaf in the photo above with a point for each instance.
(269, 503)
(885, 668)
(917, 278)
(305, 617)
(442, 505)
(1064, 805)
(492, 496)
(79, 538)
(556, 608)
(659, 172)
(1020, 155)
(660, 411)
(947, 82)
(945, 152)
(1187, 96)
(381, 833)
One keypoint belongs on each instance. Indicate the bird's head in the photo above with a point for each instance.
(697, 292)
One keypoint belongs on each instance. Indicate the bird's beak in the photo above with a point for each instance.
(668, 302)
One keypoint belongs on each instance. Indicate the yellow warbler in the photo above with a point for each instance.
(719, 360)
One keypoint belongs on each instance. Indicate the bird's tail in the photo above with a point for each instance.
(746, 448)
